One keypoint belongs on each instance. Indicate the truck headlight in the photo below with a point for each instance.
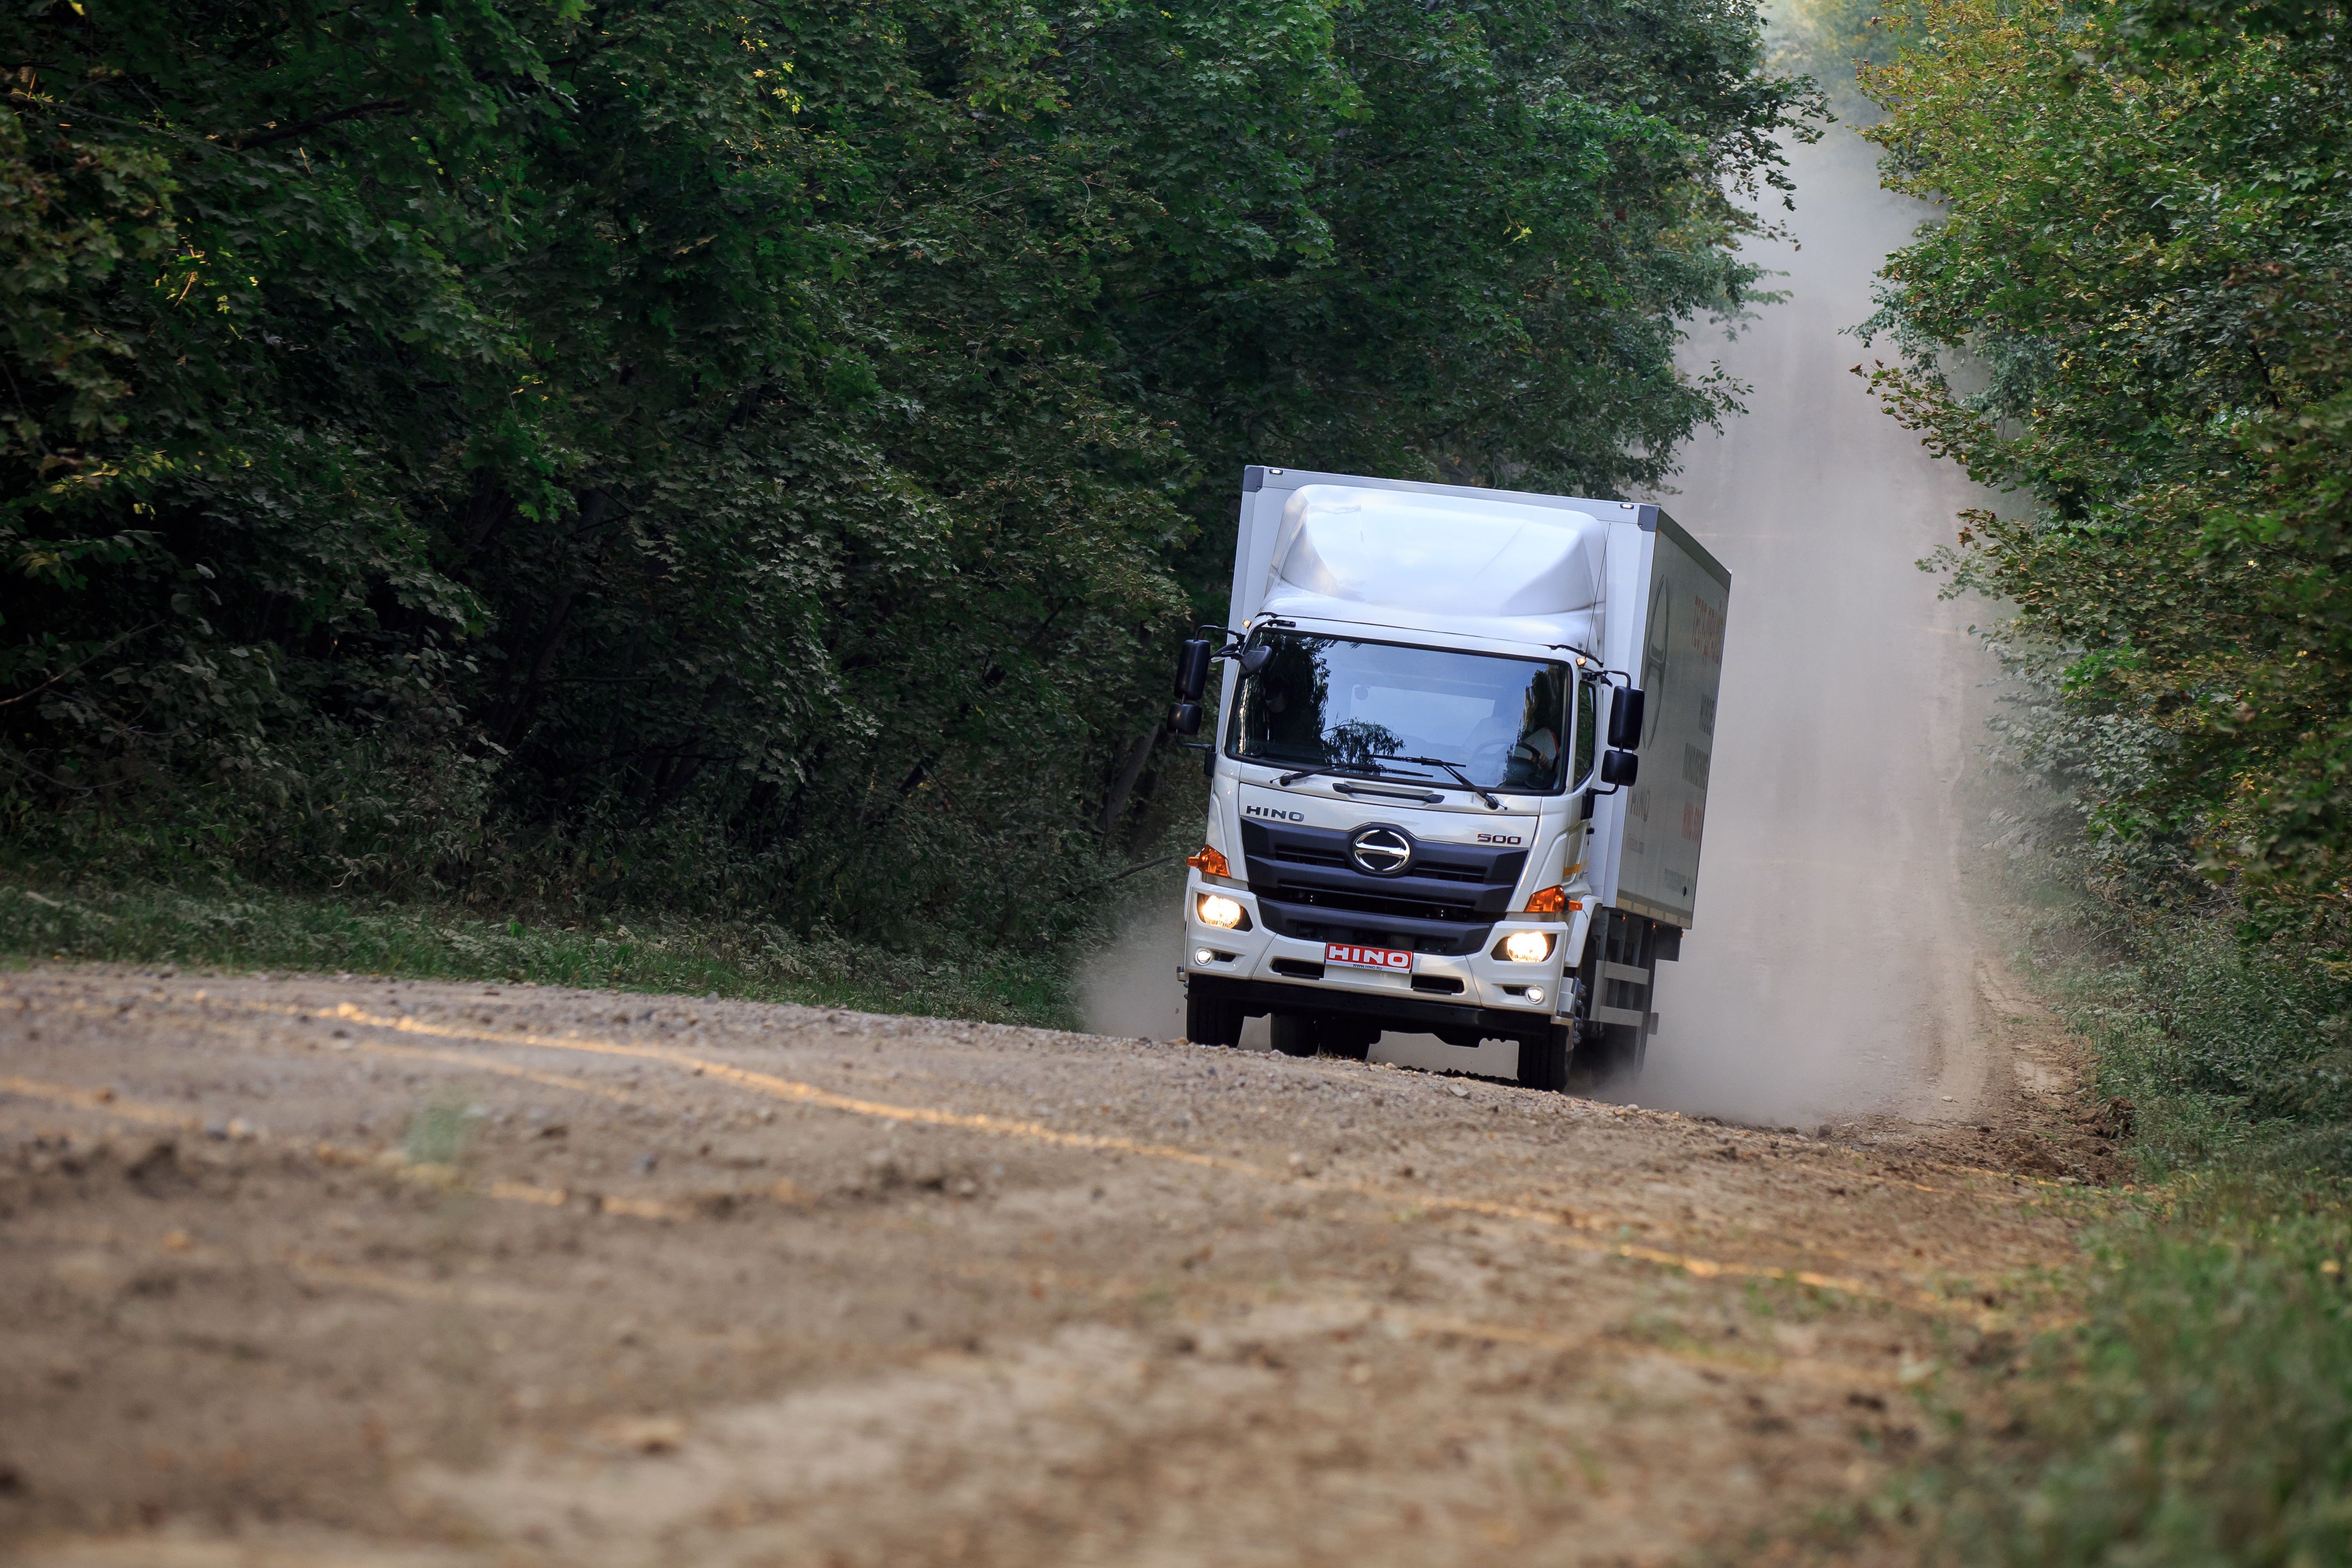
(1527, 946)
(1215, 909)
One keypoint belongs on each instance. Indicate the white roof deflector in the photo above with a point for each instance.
(1438, 555)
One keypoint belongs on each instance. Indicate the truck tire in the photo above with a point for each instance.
(1609, 1056)
(1210, 1020)
(1349, 1039)
(1296, 1034)
(1543, 1060)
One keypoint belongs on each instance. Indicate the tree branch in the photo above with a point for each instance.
(61, 675)
(304, 127)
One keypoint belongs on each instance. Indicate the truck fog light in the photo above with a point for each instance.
(1224, 912)
(1202, 956)
(1535, 994)
(1527, 946)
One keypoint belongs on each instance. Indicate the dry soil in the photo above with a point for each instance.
(307, 1270)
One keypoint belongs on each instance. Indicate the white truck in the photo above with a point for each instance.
(1459, 767)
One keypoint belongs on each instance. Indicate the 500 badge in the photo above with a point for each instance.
(1500, 839)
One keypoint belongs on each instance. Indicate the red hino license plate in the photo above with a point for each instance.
(1348, 958)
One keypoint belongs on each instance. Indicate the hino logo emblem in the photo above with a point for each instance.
(1378, 850)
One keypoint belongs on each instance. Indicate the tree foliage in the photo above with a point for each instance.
(1839, 43)
(2149, 242)
(758, 452)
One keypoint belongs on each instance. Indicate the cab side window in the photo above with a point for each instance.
(1586, 718)
(1533, 761)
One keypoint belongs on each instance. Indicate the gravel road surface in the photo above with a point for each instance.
(359, 1273)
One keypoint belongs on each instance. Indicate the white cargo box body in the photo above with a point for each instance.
(1617, 579)
(1668, 601)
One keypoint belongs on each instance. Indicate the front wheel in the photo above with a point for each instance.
(1349, 1039)
(1544, 1058)
(1295, 1034)
(1212, 1020)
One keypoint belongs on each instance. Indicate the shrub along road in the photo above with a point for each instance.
(367, 1271)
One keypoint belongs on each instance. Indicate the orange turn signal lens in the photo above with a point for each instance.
(1209, 862)
(1550, 901)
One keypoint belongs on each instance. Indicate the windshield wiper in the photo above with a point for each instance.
(1454, 768)
(1340, 769)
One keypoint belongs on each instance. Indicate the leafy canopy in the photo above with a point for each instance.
(715, 453)
(2149, 242)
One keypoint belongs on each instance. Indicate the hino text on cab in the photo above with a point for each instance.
(1459, 767)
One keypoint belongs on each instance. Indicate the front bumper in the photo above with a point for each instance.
(1258, 997)
(1262, 963)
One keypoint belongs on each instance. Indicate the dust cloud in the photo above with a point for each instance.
(1831, 973)
(1129, 987)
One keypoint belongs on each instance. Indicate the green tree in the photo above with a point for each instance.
(2147, 241)
(723, 455)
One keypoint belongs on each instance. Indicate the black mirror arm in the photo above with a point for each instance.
(1230, 638)
(1249, 661)
(1594, 671)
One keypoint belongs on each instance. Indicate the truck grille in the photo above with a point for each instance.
(1447, 905)
(1432, 866)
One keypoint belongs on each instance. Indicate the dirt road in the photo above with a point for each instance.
(309, 1272)
(1834, 971)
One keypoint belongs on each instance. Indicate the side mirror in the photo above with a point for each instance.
(1253, 661)
(1192, 672)
(1184, 718)
(1621, 767)
(1625, 720)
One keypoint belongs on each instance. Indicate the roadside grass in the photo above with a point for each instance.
(251, 928)
(2198, 1408)
(2200, 1412)
(2232, 1056)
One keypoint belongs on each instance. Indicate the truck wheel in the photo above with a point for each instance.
(1347, 1038)
(1543, 1060)
(1209, 1020)
(1295, 1034)
(1609, 1056)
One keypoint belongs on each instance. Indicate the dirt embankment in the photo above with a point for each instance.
(361, 1272)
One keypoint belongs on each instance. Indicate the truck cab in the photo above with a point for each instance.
(1425, 763)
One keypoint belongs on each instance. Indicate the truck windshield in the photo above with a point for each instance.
(1329, 702)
